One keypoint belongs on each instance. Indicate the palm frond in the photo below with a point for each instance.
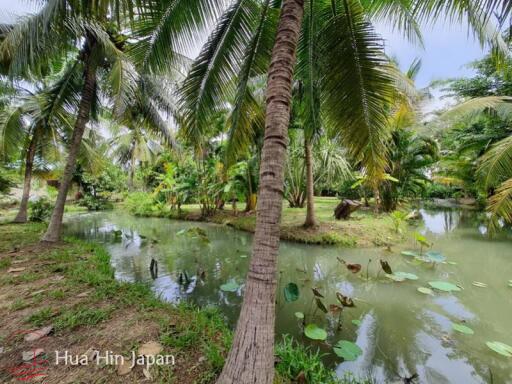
(500, 205)
(502, 105)
(247, 115)
(496, 164)
(356, 86)
(166, 29)
(210, 83)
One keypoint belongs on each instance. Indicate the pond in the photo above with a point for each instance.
(400, 330)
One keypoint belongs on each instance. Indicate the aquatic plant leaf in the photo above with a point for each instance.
(317, 293)
(444, 286)
(345, 300)
(356, 322)
(291, 292)
(501, 348)
(426, 291)
(321, 305)
(347, 350)
(230, 286)
(335, 308)
(386, 267)
(436, 257)
(314, 332)
(406, 275)
(354, 268)
(410, 253)
(181, 232)
(299, 315)
(479, 284)
(421, 239)
(244, 256)
(462, 329)
(396, 278)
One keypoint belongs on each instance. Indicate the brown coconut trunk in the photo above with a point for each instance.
(310, 187)
(21, 217)
(251, 359)
(52, 234)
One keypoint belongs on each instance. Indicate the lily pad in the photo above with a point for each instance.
(314, 332)
(462, 329)
(406, 275)
(347, 350)
(410, 254)
(426, 291)
(444, 286)
(501, 348)
(395, 277)
(436, 257)
(291, 292)
(299, 315)
(230, 286)
(479, 284)
(356, 322)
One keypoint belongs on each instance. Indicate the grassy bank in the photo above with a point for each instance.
(363, 229)
(72, 288)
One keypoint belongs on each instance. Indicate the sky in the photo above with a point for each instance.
(447, 48)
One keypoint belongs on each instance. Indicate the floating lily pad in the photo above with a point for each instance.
(462, 329)
(356, 322)
(395, 277)
(230, 286)
(444, 286)
(426, 291)
(406, 275)
(299, 315)
(314, 332)
(451, 262)
(479, 284)
(347, 350)
(436, 257)
(291, 292)
(410, 254)
(501, 348)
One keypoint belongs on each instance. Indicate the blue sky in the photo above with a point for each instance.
(447, 48)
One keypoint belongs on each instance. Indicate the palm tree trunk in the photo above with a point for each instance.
(251, 359)
(21, 217)
(378, 201)
(310, 191)
(52, 234)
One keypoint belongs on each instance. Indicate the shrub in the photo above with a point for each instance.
(140, 203)
(40, 210)
(96, 203)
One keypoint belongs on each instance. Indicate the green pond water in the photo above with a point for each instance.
(401, 332)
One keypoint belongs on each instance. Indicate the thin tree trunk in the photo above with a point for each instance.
(21, 217)
(251, 359)
(378, 201)
(310, 191)
(84, 111)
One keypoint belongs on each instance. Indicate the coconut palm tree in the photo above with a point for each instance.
(142, 130)
(39, 119)
(55, 32)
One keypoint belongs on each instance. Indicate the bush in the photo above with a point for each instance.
(6, 182)
(439, 191)
(95, 203)
(140, 204)
(40, 210)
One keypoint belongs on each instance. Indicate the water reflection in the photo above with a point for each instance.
(402, 332)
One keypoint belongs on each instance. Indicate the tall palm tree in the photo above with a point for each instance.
(55, 32)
